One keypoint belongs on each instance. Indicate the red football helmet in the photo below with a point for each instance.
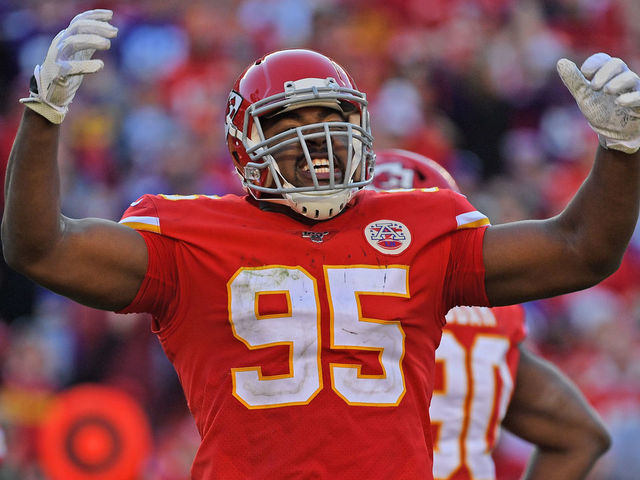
(401, 169)
(283, 81)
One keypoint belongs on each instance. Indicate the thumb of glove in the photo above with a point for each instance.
(573, 79)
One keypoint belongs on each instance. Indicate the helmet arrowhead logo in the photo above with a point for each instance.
(233, 105)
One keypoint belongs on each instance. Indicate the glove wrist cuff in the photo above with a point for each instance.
(626, 146)
(51, 112)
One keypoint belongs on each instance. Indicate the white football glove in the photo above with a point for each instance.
(56, 81)
(608, 94)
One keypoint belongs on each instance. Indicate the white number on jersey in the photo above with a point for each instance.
(299, 328)
(465, 408)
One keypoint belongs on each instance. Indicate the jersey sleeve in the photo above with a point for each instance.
(157, 292)
(465, 270)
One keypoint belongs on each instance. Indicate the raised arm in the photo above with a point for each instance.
(95, 262)
(549, 411)
(586, 242)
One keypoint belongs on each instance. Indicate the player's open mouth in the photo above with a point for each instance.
(321, 170)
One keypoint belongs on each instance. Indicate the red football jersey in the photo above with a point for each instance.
(476, 365)
(308, 350)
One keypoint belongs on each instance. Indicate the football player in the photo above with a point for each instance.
(484, 371)
(302, 318)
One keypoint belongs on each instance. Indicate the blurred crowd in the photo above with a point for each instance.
(469, 83)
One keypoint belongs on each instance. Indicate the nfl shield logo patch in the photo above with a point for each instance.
(388, 236)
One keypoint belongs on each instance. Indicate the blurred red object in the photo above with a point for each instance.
(94, 432)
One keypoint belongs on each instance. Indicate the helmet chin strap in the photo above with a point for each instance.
(319, 205)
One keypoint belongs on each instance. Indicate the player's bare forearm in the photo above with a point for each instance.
(574, 250)
(95, 262)
(31, 223)
(602, 216)
(548, 411)
(559, 465)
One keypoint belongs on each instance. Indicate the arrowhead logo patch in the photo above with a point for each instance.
(388, 236)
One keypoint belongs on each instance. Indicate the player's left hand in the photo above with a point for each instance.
(608, 94)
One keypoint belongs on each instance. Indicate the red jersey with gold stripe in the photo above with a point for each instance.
(307, 350)
(476, 365)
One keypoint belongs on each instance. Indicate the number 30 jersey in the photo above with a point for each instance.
(476, 365)
(306, 350)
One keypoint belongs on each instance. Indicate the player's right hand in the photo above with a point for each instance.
(608, 94)
(68, 59)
